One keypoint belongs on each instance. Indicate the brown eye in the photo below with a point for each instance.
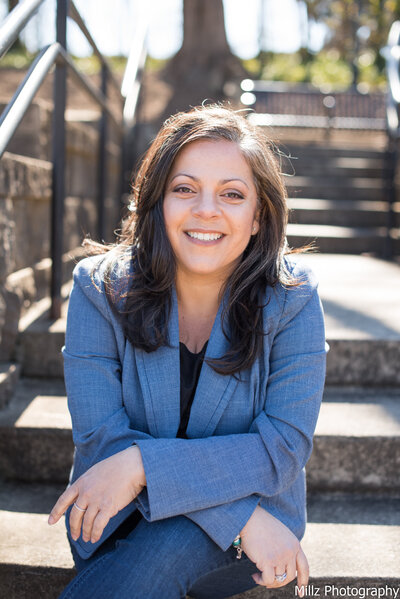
(183, 189)
(234, 195)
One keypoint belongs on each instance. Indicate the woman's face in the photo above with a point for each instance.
(210, 207)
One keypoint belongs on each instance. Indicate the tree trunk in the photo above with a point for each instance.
(204, 64)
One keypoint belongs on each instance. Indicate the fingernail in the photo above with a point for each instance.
(51, 520)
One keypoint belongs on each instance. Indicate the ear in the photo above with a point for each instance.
(256, 225)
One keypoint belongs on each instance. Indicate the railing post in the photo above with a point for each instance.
(391, 161)
(57, 206)
(102, 162)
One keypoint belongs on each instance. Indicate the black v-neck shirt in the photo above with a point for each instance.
(190, 365)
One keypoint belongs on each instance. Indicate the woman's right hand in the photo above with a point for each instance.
(275, 550)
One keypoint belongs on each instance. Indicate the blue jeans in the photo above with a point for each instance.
(166, 559)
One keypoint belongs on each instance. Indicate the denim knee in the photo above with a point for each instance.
(162, 558)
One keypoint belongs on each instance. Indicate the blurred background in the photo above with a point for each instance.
(84, 88)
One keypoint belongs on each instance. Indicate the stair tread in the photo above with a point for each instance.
(346, 205)
(360, 296)
(327, 181)
(334, 231)
(335, 523)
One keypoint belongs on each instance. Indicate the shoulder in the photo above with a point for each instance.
(113, 268)
(290, 300)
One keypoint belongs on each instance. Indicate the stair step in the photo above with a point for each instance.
(360, 188)
(361, 300)
(300, 164)
(357, 441)
(9, 375)
(343, 213)
(40, 339)
(323, 151)
(36, 442)
(337, 239)
(35, 559)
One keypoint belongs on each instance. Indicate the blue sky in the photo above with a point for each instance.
(112, 25)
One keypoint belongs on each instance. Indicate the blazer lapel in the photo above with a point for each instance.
(159, 374)
(213, 390)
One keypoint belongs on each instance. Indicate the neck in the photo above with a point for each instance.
(198, 295)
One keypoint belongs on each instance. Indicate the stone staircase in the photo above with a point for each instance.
(339, 196)
(353, 535)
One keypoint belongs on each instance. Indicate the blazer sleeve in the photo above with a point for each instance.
(189, 475)
(92, 371)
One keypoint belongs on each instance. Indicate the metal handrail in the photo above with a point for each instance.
(56, 54)
(14, 23)
(393, 75)
(76, 17)
(19, 103)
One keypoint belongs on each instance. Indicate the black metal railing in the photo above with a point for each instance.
(56, 54)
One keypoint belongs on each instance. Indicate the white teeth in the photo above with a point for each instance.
(204, 236)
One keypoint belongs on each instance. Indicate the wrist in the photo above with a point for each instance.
(138, 469)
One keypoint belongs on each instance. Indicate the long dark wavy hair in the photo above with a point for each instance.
(148, 296)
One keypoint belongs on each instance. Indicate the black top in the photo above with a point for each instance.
(190, 371)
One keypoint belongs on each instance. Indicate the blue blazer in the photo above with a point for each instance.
(248, 441)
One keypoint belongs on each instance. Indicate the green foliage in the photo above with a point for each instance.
(19, 58)
(155, 64)
(325, 69)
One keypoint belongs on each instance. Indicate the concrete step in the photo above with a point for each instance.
(36, 441)
(360, 188)
(333, 239)
(336, 153)
(356, 447)
(361, 301)
(35, 559)
(342, 213)
(300, 163)
(40, 339)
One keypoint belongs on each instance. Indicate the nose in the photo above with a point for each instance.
(206, 205)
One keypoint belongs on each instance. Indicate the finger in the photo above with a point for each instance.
(63, 502)
(87, 523)
(99, 525)
(303, 571)
(76, 517)
(267, 577)
(290, 571)
(279, 570)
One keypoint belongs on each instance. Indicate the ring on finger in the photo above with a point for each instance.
(281, 577)
(81, 509)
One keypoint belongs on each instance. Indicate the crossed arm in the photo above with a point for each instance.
(183, 476)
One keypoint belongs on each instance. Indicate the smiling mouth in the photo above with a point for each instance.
(204, 236)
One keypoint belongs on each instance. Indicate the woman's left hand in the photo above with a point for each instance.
(101, 492)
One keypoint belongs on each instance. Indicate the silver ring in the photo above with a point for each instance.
(280, 577)
(80, 508)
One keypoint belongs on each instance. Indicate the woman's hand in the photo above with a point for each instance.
(101, 492)
(275, 550)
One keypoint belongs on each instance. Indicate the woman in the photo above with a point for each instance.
(194, 366)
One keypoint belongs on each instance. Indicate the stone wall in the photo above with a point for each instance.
(25, 210)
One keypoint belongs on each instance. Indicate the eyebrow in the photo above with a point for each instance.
(223, 181)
